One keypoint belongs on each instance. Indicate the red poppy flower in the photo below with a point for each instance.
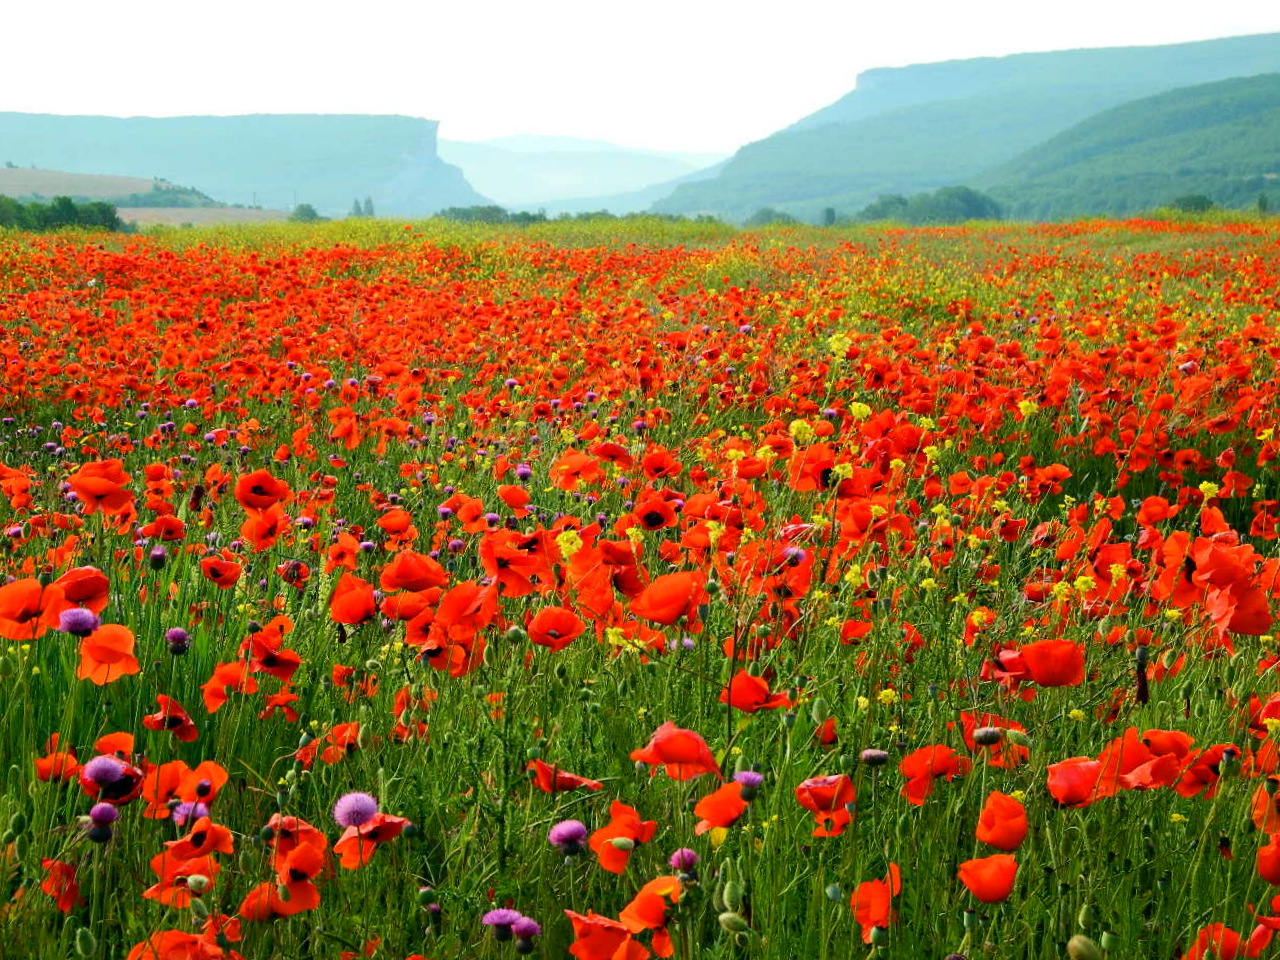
(173, 718)
(221, 571)
(1003, 822)
(85, 587)
(264, 902)
(60, 883)
(102, 486)
(872, 902)
(555, 628)
(353, 601)
(412, 571)
(168, 528)
(172, 872)
(56, 764)
(205, 837)
(720, 809)
(1074, 782)
(227, 677)
(1269, 860)
(1054, 663)
(749, 694)
(650, 909)
(260, 491)
(990, 879)
(28, 609)
(357, 845)
(551, 779)
(598, 937)
(106, 655)
(672, 596)
(922, 767)
(626, 827)
(828, 799)
(682, 753)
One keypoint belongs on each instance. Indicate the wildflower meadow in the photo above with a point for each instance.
(421, 591)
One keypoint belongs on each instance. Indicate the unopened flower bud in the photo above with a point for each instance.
(1081, 947)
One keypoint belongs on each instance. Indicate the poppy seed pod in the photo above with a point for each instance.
(730, 922)
(1081, 947)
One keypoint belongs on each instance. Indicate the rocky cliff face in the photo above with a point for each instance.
(275, 161)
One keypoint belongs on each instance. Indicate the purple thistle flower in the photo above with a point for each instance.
(501, 920)
(568, 835)
(684, 859)
(354, 809)
(526, 928)
(186, 812)
(103, 814)
(103, 771)
(78, 621)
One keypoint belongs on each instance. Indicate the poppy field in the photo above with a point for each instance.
(411, 591)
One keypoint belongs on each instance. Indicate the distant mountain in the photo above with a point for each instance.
(535, 172)
(633, 201)
(1220, 140)
(34, 184)
(263, 160)
(911, 129)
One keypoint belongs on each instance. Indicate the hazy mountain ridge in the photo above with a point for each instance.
(268, 160)
(534, 172)
(1220, 140)
(910, 129)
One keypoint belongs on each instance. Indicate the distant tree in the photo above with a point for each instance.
(828, 216)
(304, 213)
(356, 209)
(477, 214)
(62, 213)
(100, 215)
(767, 216)
(1263, 204)
(14, 214)
(9, 164)
(368, 206)
(889, 206)
(1192, 203)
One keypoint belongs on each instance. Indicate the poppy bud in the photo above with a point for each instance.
(1081, 947)
(197, 883)
(1084, 919)
(86, 943)
(733, 895)
(880, 936)
(515, 635)
(1110, 941)
(1018, 737)
(713, 587)
(18, 823)
(732, 923)
(819, 711)
(622, 843)
(834, 893)
(987, 736)
(426, 895)
(199, 910)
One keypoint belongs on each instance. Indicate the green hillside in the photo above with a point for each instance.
(1220, 140)
(259, 160)
(910, 129)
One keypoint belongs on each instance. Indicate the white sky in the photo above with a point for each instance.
(693, 75)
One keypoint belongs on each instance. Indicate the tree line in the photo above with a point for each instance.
(61, 212)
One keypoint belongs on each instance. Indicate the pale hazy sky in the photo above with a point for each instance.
(704, 75)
